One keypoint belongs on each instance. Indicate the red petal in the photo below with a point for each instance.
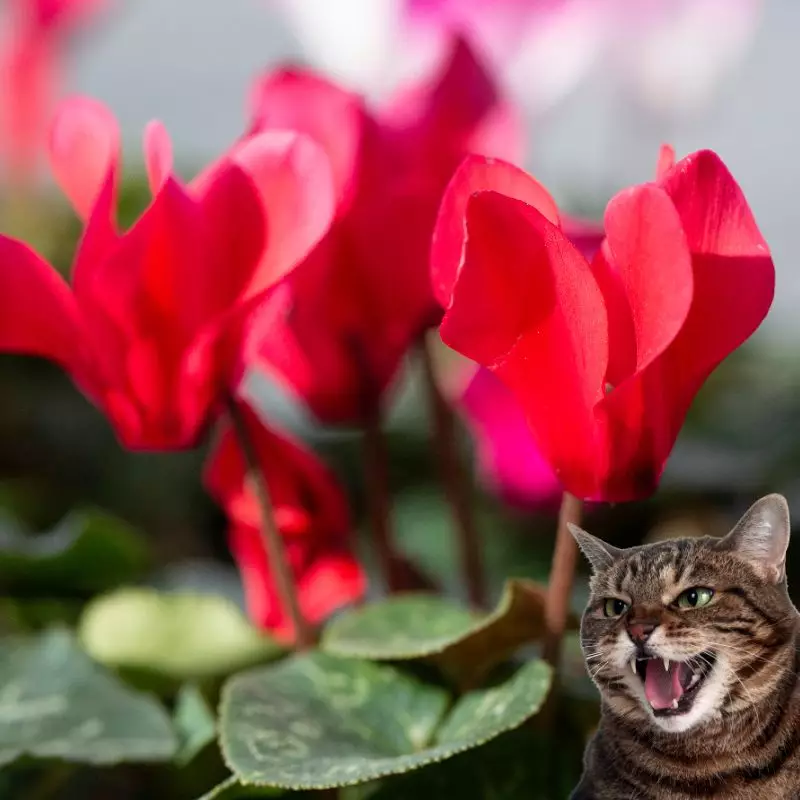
(646, 252)
(453, 113)
(84, 147)
(40, 316)
(476, 174)
(527, 306)
(293, 177)
(234, 241)
(734, 277)
(304, 102)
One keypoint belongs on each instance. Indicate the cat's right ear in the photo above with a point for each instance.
(598, 553)
(761, 537)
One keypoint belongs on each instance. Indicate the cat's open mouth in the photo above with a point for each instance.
(672, 686)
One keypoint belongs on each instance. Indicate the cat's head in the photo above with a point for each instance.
(684, 631)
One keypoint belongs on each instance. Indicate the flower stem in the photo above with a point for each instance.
(562, 575)
(376, 478)
(281, 572)
(456, 482)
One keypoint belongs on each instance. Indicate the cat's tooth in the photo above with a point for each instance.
(633, 665)
(666, 665)
(675, 703)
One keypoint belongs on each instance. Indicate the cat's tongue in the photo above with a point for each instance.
(662, 686)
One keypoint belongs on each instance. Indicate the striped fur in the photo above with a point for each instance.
(741, 736)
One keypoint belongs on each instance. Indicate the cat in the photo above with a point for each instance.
(692, 644)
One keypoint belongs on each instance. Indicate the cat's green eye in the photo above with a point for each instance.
(614, 607)
(696, 597)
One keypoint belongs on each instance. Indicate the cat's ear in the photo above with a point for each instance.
(761, 537)
(599, 554)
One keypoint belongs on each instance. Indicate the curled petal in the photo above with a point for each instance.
(734, 276)
(301, 101)
(293, 177)
(649, 256)
(527, 306)
(84, 148)
(476, 174)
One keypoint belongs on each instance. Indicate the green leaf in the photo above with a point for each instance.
(56, 703)
(315, 721)
(398, 628)
(232, 789)
(179, 636)
(86, 552)
(463, 644)
(194, 723)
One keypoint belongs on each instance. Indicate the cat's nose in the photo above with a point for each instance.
(640, 631)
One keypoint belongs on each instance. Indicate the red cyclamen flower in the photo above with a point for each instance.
(150, 327)
(605, 357)
(311, 515)
(339, 330)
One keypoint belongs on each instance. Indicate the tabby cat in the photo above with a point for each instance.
(693, 646)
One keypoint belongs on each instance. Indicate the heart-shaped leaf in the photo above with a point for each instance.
(401, 627)
(463, 644)
(86, 552)
(194, 723)
(55, 702)
(180, 636)
(315, 721)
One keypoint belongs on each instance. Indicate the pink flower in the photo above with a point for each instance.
(672, 53)
(150, 326)
(605, 355)
(35, 32)
(340, 327)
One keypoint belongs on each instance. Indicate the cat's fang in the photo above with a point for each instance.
(633, 666)
(675, 703)
(666, 664)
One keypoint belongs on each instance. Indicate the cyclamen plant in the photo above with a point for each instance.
(326, 245)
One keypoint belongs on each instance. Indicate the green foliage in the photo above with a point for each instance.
(315, 721)
(400, 627)
(87, 552)
(178, 636)
(56, 703)
(194, 723)
(465, 645)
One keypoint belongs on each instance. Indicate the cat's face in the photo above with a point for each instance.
(680, 632)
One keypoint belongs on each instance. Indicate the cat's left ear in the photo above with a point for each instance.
(761, 537)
